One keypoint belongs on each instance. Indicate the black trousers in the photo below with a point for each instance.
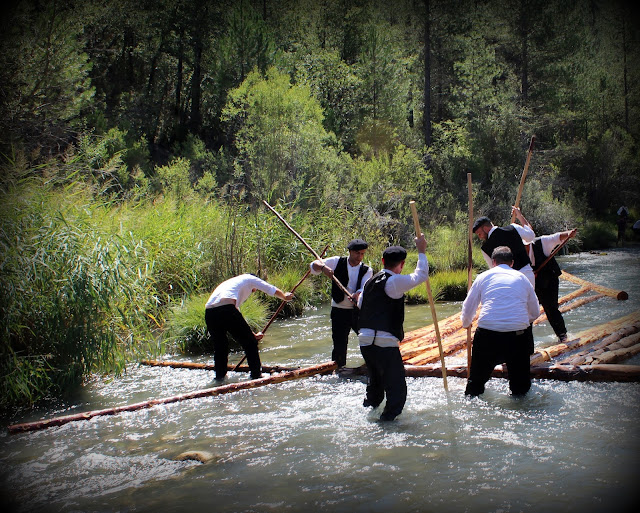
(547, 292)
(491, 348)
(343, 320)
(228, 319)
(386, 375)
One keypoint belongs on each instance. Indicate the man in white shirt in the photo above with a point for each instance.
(223, 316)
(547, 283)
(509, 306)
(353, 274)
(381, 327)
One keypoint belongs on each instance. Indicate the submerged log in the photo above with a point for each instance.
(618, 294)
(210, 367)
(207, 392)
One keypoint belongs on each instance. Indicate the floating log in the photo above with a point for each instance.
(565, 308)
(211, 367)
(618, 294)
(207, 392)
(598, 372)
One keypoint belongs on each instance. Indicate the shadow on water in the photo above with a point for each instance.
(310, 445)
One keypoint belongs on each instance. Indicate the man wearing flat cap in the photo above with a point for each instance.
(353, 274)
(513, 236)
(381, 327)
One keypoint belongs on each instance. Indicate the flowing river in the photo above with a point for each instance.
(309, 445)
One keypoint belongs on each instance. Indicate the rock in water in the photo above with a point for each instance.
(201, 456)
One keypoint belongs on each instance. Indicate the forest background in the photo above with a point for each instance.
(139, 139)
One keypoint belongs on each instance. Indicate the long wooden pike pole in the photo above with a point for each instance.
(306, 245)
(416, 223)
(524, 175)
(322, 368)
(281, 306)
(469, 267)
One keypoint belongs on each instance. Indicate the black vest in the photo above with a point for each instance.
(342, 273)
(379, 311)
(508, 236)
(551, 269)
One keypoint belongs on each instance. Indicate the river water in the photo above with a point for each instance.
(309, 445)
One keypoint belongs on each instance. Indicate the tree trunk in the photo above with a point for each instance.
(426, 115)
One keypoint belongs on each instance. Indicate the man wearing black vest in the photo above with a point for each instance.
(514, 236)
(353, 274)
(511, 236)
(547, 282)
(381, 327)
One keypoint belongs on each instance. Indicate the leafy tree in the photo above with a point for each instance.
(44, 76)
(283, 151)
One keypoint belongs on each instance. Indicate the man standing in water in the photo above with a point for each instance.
(223, 316)
(509, 306)
(547, 283)
(353, 274)
(381, 327)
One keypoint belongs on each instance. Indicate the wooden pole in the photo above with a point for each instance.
(522, 178)
(306, 245)
(281, 306)
(416, 223)
(207, 392)
(469, 267)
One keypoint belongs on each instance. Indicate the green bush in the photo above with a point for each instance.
(598, 235)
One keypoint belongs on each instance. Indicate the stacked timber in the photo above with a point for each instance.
(612, 331)
(419, 347)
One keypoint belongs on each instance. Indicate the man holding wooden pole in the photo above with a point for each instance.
(509, 306)
(381, 327)
(513, 236)
(223, 316)
(547, 271)
(352, 274)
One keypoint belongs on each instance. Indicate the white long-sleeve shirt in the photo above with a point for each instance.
(332, 263)
(396, 286)
(239, 288)
(549, 242)
(527, 235)
(509, 302)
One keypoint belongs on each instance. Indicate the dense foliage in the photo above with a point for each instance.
(140, 138)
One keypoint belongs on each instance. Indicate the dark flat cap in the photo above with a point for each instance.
(357, 245)
(479, 222)
(394, 254)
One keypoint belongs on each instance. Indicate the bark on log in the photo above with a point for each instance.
(586, 337)
(623, 336)
(210, 367)
(618, 294)
(207, 392)
(617, 355)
